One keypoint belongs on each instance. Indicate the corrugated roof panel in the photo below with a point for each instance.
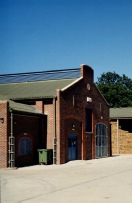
(20, 107)
(23, 107)
(32, 90)
(40, 76)
(124, 112)
(2, 97)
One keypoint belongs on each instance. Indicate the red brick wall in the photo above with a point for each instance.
(49, 111)
(31, 127)
(101, 114)
(4, 134)
(75, 109)
(68, 129)
(40, 106)
(70, 106)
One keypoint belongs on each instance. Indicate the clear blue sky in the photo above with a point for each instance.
(38, 35)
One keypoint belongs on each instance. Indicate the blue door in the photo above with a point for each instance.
(72, 147)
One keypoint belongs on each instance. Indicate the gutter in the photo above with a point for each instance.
(54, 139)
(115, 118)
(11, 145)
(25, 112)
(31, 98)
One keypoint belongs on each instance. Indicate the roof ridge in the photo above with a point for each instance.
(39, 72)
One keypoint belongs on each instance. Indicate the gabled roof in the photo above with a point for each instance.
(36, 85)
(120, 113)
(33, 90)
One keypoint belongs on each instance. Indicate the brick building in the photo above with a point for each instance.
(61, 110)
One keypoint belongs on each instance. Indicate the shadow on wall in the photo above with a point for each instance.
(126, 124)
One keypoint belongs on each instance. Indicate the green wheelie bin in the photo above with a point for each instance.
(45, 156)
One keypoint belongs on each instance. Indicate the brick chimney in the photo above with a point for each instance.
(87, 71)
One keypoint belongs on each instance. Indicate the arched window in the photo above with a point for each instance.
(24, 146)
(88, 117)
(101, 140)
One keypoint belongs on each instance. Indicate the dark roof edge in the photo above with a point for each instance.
(25, 112)
(32, 98)
(113, 118)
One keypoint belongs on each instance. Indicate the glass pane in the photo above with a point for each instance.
(104, 151)
(24, 146)
(98, 152)
(104, 141)
(103, 129)
(21, 146)
(28, 146)
(98, 141)
(73, 142)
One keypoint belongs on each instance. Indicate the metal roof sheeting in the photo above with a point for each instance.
(23, 108)
(124, 112)
(20, 107)
(40, 76)
(33, 90)
(2, 97)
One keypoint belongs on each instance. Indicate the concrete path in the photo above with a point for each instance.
(107, 180)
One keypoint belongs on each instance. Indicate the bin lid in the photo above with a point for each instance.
(44, 150)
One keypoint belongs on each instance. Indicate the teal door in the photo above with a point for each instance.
(72, 147)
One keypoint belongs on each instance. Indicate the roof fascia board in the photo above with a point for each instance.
(33, 98)
(26, 112)
(68, 86)
(113, 118)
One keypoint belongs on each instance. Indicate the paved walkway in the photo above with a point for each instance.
(107, 180)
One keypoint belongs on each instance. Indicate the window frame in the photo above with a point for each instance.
(24, 146)
(88, 119)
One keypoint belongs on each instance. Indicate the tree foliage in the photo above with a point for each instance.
(116, 89)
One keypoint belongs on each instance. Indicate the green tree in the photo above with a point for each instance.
(116, 89)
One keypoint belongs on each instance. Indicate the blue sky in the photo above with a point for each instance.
(38, 35)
